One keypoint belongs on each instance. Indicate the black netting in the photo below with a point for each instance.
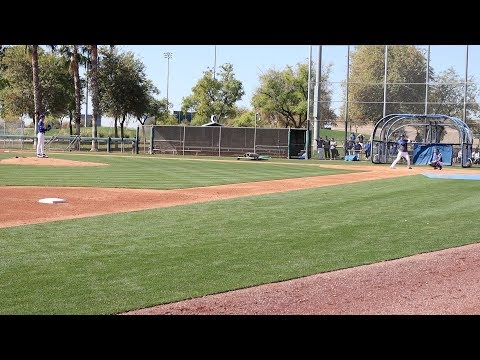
(240, 138)
(218, 140)
(170, 133)
(272, 137)
(202, 136)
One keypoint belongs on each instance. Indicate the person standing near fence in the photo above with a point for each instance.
(41, 137)
(319, 148)
(368, 147)
(402, 151)
(360, 139)
(333, 149)
(326, 148)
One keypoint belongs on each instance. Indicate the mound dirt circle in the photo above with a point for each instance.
(29, 160)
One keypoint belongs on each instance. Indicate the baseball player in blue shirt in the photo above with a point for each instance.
(41, 137)
(402, 151)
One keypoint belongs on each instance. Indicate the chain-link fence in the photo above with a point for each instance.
(14, 137)
(362, 84)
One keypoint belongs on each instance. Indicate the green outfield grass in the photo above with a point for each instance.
(153, 172)
(113, 263)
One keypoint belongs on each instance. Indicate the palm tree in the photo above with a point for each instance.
(37, 99)
(36, 87)
(95, 97)
(76, 54)
(76, 81)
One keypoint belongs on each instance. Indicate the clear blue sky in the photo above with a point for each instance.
(188, 63)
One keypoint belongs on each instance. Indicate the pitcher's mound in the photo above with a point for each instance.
(51, 200)
(47, 162)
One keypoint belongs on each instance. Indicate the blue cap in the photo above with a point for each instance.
(42, 116)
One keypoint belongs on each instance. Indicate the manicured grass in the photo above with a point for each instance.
(114, 263)
(153, 172)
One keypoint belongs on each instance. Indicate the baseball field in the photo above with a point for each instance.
(163, 235)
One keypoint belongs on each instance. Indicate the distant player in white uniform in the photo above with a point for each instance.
(402, 151)
(41, 137)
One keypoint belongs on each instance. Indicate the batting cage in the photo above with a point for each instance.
(448, 134)
(222, 140)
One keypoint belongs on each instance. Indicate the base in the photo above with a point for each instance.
(51, 200)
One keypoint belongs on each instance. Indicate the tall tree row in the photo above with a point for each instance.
(282, 95)
(214, 96)
(406, 89)
(34, 80)
(125, 89)
(55, 84)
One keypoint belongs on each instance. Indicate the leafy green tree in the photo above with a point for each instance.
(166, 119)
(110, 85)
(2, 68)
(58, 91)
(161, 113)
(56, 85)
(126, 91)
(447, 92)
(214, 96)
(16, 95)
(149, 108)
(283, 95)
(405, 74)
(244, 118)
(55, 82)
(142, 102)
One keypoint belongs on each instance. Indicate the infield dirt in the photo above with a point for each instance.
(442, 282)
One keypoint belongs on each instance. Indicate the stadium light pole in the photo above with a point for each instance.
(168, 56)
(465, 87)
(215, 62)
(255, 134)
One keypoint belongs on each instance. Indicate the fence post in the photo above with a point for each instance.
(137, 134)
(183, 141)
(151, 140)
(288, 148)
(219, 140)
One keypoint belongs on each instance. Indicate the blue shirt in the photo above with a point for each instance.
(41, 127)
(403, 145)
